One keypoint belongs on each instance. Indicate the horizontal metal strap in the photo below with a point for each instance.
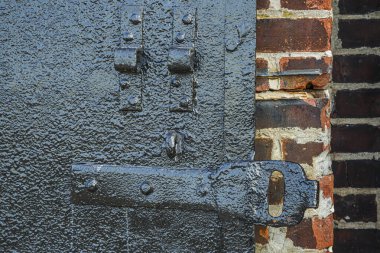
(238, 190)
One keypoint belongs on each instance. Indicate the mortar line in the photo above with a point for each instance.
(356, 121)
(274, 13)
(355, 86)
(344, 191)
(355, 156)
(356, 51)
(373, 15)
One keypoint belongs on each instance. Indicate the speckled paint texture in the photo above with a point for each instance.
(60, 100)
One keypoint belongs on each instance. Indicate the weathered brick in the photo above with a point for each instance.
(262, 84)
(302, 234)
(356, 241)
(355, 138)
(305, 82)
(278, 35)
(263, 149)
(300, 153)
(301, 82)
(326, 186)
(261, 65)
(299, 63)
(353, 208)
(261, 234)
(262, 4)
(363, 103)
(356, 68)
(323, 231)
(357, 173)
(306, 4)
(359, 33)
(292, 113)
(358, 7)
(312, 233)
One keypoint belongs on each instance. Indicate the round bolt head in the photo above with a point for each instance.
(133, 100)
(184, 103)
(123, 85)
(180, 37)
(175, 82)
(135, 18)
(128, 36)
(90, 184)
(187, 19)
(146, 188)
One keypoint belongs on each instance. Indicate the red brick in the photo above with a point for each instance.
(261, 65)
(300, 153)
(306, 4)
(312, 233)
(262, 84)
(326, 186)
(323, 231)
(299, 63)
(296, 82)
(302, 234)
(305, 82)
(283, 35)
(292, 113)
(262, 4)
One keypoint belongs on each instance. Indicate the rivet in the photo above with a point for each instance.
(124, 85)
(175, 82)
(146, 188)
(180, 37)
(184, 103)
(135, 19)
(128, 36)
(90, 184)
(133, 100)
(187, 19)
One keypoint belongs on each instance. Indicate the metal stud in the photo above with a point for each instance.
(146, 188)
(90, 184)
(175, 82)
(184, 103)
(128, 36)
(133, 100)
(180, 37)
(187, 19)
(135, 18)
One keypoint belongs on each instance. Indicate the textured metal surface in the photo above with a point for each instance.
(62, 102)
(238, 190)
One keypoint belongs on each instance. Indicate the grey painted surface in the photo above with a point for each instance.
(60, 104)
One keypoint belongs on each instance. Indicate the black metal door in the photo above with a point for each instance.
(61, 102)
(146, 83)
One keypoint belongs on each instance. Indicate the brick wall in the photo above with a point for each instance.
(356, 125)
(294, 64)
